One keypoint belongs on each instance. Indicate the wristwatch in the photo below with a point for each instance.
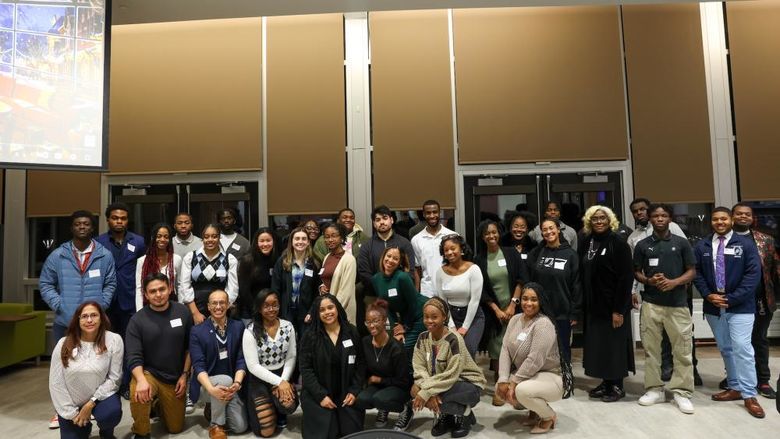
(516, 300)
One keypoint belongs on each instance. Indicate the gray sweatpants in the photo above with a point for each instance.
(230, 414)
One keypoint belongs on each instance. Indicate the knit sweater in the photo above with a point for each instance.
(439, 364)
(264, 359)
(88, 375)
(531, 346)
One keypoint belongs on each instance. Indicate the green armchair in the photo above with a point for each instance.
(22, 333)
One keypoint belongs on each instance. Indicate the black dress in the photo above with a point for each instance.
(607, 278)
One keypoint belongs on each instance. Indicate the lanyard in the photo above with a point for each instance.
(82, 265)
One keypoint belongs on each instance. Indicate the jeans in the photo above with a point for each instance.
(461, 395)
(231, 414)
(732, 333)
(107, 413)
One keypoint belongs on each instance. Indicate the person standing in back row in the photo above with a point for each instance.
(230, 241)
(553, 212)
(185, 241)
(426, 247)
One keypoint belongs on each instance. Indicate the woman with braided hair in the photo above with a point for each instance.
(531, 350)
(159, 258)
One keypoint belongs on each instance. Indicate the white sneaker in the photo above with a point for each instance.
(54, 422)
(189, 406)
(652, 397)
(684, 404)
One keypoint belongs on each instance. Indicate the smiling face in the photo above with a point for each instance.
(721, 223)
(391, 261)
(210, 239)
(157, 292)
(162, 238)
(300, 240)
(432, 215)
(599, 222)
(529, 301)
(329, 314)
(743, 217)
(551, 233)
(265, 243)
(347, 219)
(452, 251)
(312, 230)
(519, 228)
(218, 304)
(375, 323)
(433, 319)
(490, 236)
(333, 238)
(89, 321)
(270, 309)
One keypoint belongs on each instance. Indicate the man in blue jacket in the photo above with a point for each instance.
(219, 367)
(78, 271)
(728, 271)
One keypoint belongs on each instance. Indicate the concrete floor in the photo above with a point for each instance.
(25, 409)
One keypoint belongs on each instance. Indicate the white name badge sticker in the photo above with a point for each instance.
(223, 354)
(351, 359)
(175, 323)
(522, 336)
(308, 272)
(131, 247)
(94, 273)
(728, 251)
(653, 262)
(392, 292)
(523, 256)
(560, 265)
(502, 262)
(236, 247)
(270, 271)
(347, 343)
(603, 252)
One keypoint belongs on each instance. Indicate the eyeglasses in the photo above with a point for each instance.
(599, 219)
(270, 307)
(220, 303)
(93, 316)
(374, 323)
(311, 228)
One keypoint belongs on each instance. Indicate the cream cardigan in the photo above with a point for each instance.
(343, 284)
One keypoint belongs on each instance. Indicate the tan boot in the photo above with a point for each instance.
(217, 432)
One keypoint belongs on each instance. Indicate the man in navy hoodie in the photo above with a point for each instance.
(728, 271)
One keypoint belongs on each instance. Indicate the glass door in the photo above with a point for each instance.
(577, 191)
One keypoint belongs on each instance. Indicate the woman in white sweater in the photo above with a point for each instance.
(86, 368)
(339, 269)
(269, 352)
(459, 283)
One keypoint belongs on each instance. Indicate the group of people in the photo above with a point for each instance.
(336, 321)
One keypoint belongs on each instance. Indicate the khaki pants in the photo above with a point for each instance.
(679, 326)
(536, 393)
(170, 407)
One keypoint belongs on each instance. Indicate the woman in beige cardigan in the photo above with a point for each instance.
(339, 269)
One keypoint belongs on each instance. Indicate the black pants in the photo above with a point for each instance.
(462, 394)
(322, 423)
(258, 395)
(389, 398)
(761, 347)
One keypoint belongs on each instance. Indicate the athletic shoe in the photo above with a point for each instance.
(381, 419)
(189, 406)
(442, 425)
(54, 422)
(766, 391)
(684, 404)
(652, 397)
(281, 421)
(404, 418)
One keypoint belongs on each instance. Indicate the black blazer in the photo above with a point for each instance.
(314, 364)
(611, 276)
(518, 274)
(282, 284)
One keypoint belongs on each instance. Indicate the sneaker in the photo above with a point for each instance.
(652, 397)
(684, 404)
(54, 422)
(766, 391)
(442, 425)
(381, 419)
(404, 418)
(281, 421)
(461, 425)
(189, 406)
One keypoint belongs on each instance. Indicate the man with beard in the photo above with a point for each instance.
(426, 247)
(230, 241)
(355, 238)
(185, 241)
(765, 293)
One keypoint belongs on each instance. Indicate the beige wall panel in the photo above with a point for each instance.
(186, 97)
(59, 193)
(754, 45)
(667, 91)
(539, 84)
(411, 105)
(306, 116)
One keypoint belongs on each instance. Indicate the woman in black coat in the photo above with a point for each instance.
(296, 279)
(332, 366)
(606, 272)
(254, 270)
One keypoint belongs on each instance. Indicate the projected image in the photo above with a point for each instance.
(52, 65)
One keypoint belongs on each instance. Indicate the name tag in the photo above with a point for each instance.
(502, 262)
(131, 247)
(308, 272)
(223, 354)
(559, 265)
(236, 247)
(271, 271)
(94, 273)
(653, 262)
(347, 343)
(523, 256)
(603, 252)
(728, 251)
(522, 336)
(392, 292)
(351, 359)
(175, 323)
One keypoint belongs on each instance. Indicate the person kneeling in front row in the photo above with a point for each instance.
(218, 364)
(446, 379)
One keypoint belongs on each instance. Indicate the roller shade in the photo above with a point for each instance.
(60, 193)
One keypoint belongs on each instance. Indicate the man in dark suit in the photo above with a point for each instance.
(727, 274)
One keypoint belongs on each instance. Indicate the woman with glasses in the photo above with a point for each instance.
(86, 368)
(459, 283)
(339, 270)
(387, 371)
(332, 368)
(270, 353)
(607, 277)
(312, 230)
(159, 258)
(255, 270)
(296, 279)
(394, 285)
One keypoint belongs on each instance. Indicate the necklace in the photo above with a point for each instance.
(591, 250)
(379, 354)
